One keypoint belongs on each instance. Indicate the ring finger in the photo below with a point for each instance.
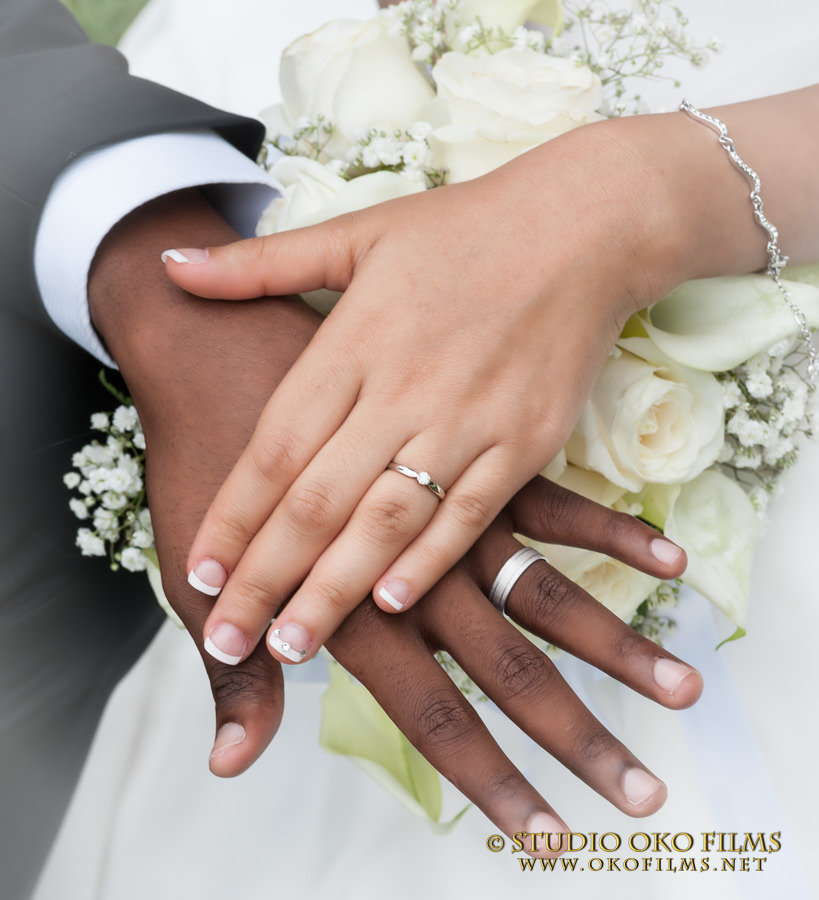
(392, 512)
(527, 687)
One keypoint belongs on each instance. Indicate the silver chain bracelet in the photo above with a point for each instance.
(776, 259)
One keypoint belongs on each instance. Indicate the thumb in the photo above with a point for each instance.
(249, 702)
(291, 262)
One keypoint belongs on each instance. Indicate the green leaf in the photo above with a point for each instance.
(739, 633)
(355, 726)
(105, 21)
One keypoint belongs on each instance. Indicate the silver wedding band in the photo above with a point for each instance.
(509, 574)
(423, 478)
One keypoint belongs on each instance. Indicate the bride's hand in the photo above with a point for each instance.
(158, 342)
(475, 320)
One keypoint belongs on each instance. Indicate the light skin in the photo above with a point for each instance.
(474, 321)
(189, 363)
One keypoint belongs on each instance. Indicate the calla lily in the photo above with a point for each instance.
(155, 581)
(719, 528)
(354, 725)
(655, 502)
(714, 324)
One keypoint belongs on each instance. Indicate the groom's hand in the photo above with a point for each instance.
(194, 370)
(199, 373)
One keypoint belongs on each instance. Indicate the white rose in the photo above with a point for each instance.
(358, 75)
(648, 419)
(311, 193)
(714, 520)
(715, 324)
(491, 108)
(510, 14)
(614, 584)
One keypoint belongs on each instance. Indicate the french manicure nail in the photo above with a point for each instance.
(669, 675)
(229, 735)
(550, 833)
(190, 255)
(226, 643)
(665, 551)
(396, 593)
(208, 576)
(639, 786)
(291, 640)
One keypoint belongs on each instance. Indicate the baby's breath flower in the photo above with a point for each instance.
(89, 543)
(125, 418)
(133, 559)
(109, 480)
(114, 501)
(142, 538)
(78, 507)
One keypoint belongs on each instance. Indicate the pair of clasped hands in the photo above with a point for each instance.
(474, 321)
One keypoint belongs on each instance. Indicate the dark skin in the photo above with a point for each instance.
(200, 373)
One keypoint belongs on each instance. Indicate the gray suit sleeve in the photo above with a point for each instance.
(61, 95)
(69, 628)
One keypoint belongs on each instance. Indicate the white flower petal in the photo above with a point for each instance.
(714, 324)
(714, 520)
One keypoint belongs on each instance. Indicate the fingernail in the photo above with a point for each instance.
(396, 593)
(639, 787)
(208, 576)
(227, 644)
(190, 255)
(669, 675)
(550, 834)
(291, 640)
(665, 551)
(228, 736)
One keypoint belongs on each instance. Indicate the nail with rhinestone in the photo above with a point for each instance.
(290, 641)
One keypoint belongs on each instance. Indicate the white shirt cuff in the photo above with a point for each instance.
(103, 186)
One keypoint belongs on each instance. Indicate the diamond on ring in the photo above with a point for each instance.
(423, 478)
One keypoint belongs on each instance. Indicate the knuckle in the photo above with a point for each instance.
(471, 510)
(628, 644)
(230, 685)
(232, 527)
(444, 719)
(559, 513)
(522, 670)
(549, 597)
(274, 453)
(332, 596)
(310, 509)
(505, 786)
(617, 528)
(389, 522)
(254, 593)
(595, 743)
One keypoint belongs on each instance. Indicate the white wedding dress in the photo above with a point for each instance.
(149, 822)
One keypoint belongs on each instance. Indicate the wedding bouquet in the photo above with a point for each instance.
(697, 412)
(699, 408)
